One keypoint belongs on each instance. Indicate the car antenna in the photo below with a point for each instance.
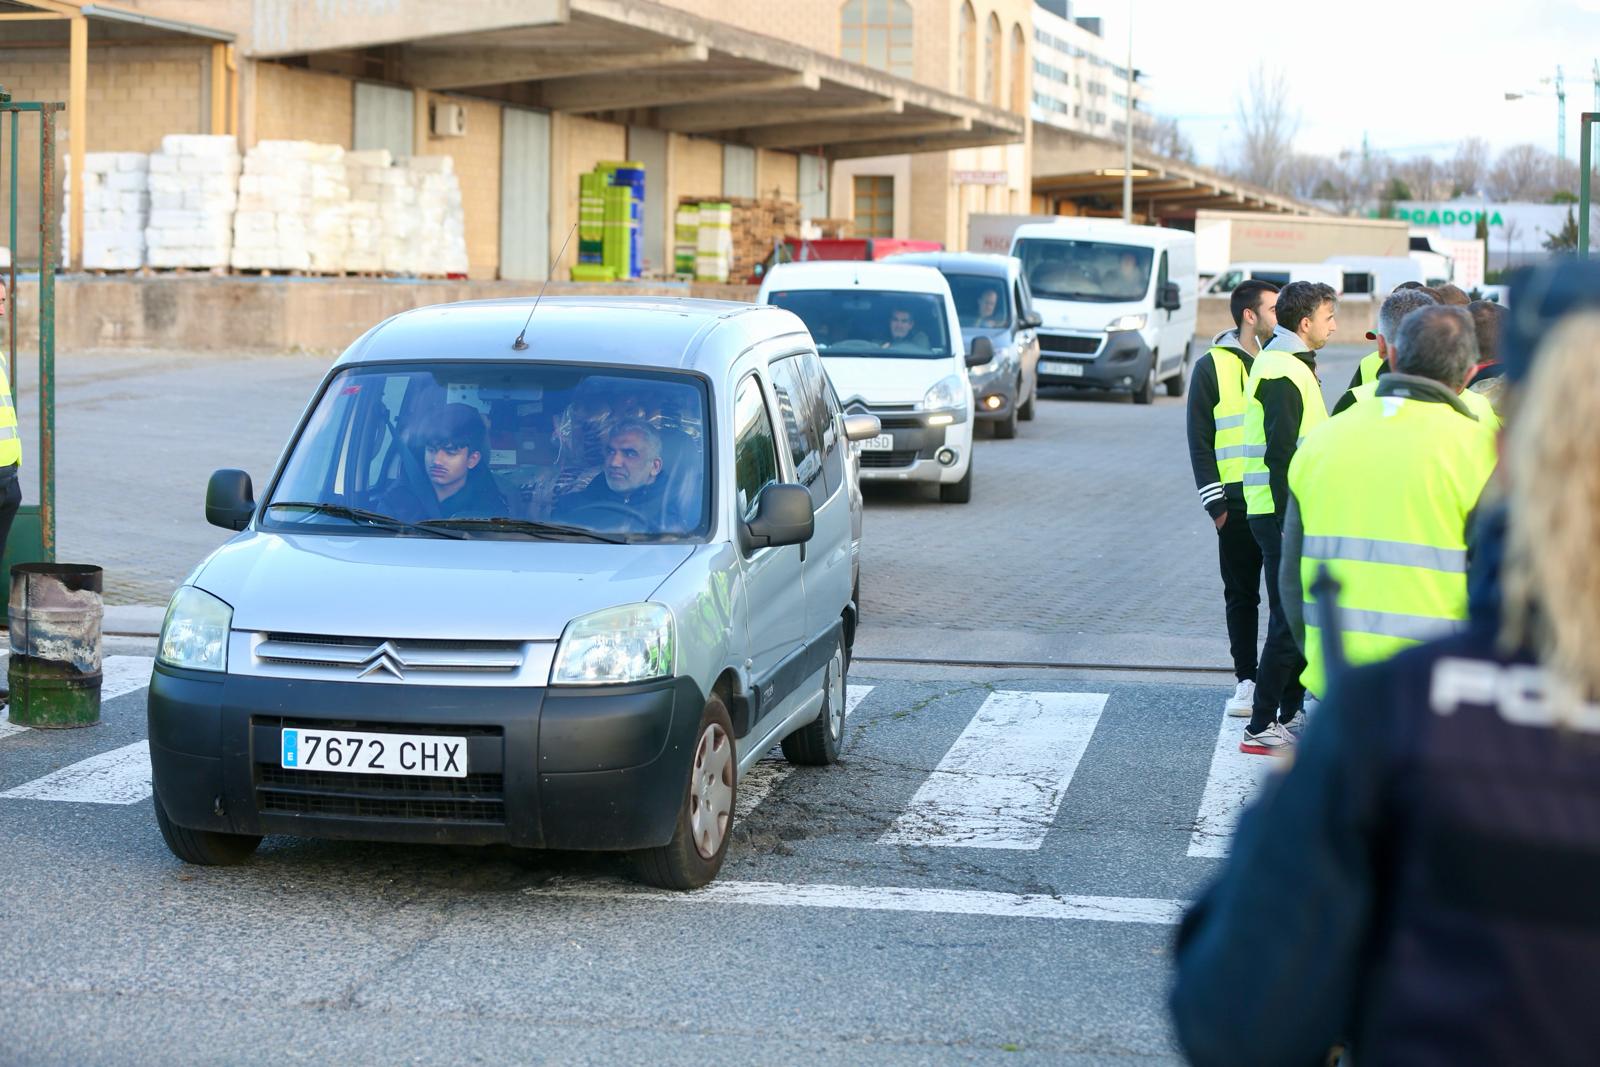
(521, 345)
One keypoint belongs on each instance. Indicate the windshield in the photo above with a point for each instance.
(980, 300)
(500, 450)
(865, 322)
(1098, 271)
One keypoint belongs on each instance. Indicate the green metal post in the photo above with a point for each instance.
(1586, 123)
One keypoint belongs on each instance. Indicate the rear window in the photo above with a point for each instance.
(867, 322)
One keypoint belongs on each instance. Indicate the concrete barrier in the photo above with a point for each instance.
(276, 313)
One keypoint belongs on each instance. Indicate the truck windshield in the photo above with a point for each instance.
(500, 450)
(865, 322)
(1096, 271)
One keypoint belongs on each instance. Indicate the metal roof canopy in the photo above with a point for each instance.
(639, 62)
(1088, 171)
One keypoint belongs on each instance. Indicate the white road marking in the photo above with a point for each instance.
(1233, 781)
(121, 776)
(7, 727)
(893, 898)
(119, 675)
(759, 781)
(1003, 780)
(853, 697)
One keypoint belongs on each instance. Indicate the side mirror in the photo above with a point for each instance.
(230, 499)
(861, 427)
(1167, 299)
(980, 352)
(784, 516)
(1031, 321)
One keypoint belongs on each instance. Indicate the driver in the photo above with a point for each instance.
(989, 314)
(632, 481)
(903, 332)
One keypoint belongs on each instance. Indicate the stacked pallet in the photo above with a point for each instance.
(365, 173)
(193, 192)
(742, 233)
(441, 218)
(116, 209)
(293, 197)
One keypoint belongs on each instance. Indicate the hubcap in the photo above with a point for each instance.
(711, 791)
(836, 695)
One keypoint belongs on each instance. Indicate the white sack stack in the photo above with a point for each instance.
(116, 209)
(441, 239)
(293, 207)
(193, 192)
(365, 173)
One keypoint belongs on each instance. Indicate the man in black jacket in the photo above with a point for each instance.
(1216, 452)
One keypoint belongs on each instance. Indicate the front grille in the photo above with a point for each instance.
(362, 726)
(899, 422)
(884, 460)
(1058, 343)
(477, 798)
(420, 660)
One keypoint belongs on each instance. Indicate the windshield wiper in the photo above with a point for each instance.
(374, 518)
(553, 531)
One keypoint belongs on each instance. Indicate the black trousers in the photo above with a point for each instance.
(1279, 693)
(1240, 558)
(10, 500)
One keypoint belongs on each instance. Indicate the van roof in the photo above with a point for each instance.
(1079, 229)
(663, 332)
(993, 263)
(833, 274)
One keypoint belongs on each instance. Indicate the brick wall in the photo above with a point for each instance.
(477, 162)
(302, 105)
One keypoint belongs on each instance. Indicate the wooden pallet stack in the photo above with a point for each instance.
(757, 225)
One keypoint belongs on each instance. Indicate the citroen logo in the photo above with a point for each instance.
(384, 658)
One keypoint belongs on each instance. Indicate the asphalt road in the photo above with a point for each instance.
(994, 872)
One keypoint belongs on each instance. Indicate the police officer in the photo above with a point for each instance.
(1216, 453)
(1418, 884)
(1283, 403)
(1382, 497)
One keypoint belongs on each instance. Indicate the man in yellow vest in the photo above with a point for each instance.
(10, 454)
(1216, 453)
(1396, 306)
(1283, 403)
(1373, 363)
(1396, 544)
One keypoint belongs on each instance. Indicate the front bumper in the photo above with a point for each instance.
(1002, 387)
(602, 768)
(1118, 360)
(913, 455)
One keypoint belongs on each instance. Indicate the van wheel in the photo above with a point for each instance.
(705, 818)
(1176, 383)
(204, 848)
(819, 742)
(958, 492)
(1146, 393)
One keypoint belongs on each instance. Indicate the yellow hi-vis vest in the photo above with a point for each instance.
(1395, 541)
(10, 440)
(1228, 415)
(1370, 365)
(1476, 403)
(1313, 411)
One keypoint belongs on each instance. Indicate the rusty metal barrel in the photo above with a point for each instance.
(55, 615)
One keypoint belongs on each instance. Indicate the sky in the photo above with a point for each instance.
(1414, 77)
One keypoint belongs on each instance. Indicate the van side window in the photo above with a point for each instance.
(825, 417)
(1161, 274)
(755, 450)
(798, 413)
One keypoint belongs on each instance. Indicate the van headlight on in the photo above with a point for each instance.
(1126, 322)
(617, 646)
(194, 635)
(944, 393)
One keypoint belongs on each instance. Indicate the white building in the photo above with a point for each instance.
(1079, 78)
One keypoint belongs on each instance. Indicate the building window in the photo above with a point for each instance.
(967, 52)
(991, 60)
(878, 34)
(1019, 69)
(874, 216)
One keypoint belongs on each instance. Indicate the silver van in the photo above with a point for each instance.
(553, 582)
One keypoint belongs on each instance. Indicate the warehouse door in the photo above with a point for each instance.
(524, 194)
(649, 149)
(385, 117)
(813, 187)
(738, 170)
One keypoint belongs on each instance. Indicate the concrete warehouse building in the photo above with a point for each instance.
(905, 115)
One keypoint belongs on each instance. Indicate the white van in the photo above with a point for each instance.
(1279, 274)
(1118, 303)
(1376, 276)
(890, 340)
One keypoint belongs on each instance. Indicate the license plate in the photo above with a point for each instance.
(1065, 370)
(884, 442)
(362, 753)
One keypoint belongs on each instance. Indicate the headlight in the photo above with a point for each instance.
(1126, 322)
(194, 635)
(944, 393)
(633, 643)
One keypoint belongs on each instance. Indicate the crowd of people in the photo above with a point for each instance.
(1414, 889)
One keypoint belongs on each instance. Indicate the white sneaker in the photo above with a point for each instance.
(1243, 699)
(1274, 740)
(1296, 724)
